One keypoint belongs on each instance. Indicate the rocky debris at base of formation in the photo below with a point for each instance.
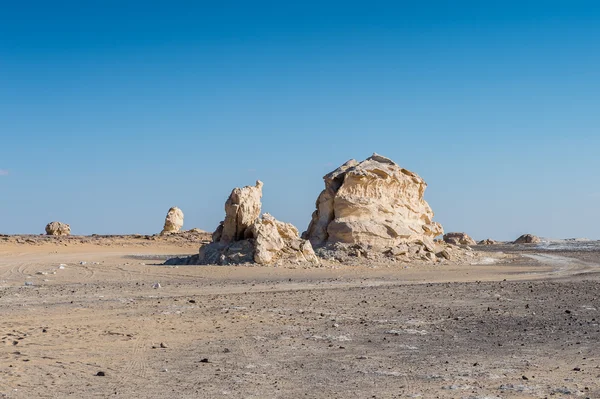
(173, 221)
(527, 239)
(416, 252)
(245, 237)
(488, 241)
(459, 239)
(58, 229)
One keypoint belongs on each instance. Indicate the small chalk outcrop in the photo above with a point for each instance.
(527, 239)
(58, 229)
(173, 221)
(488, 241)
(459, 239)
(374, 202)
(246, 237)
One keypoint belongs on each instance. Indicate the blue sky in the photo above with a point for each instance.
(112, 112)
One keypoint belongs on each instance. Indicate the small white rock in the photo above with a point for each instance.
(156, 285)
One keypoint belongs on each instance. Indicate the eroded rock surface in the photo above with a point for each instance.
(58, 229)
(173, 221)
(488, 241)
(459, 239)
(374, 202)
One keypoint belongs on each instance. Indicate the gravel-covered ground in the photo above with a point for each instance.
(98, 328)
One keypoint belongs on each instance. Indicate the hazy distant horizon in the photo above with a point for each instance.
(112, 113)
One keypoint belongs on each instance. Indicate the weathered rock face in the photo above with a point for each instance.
(244, 237)
(527, 239)
(374, 202)
(459, 239)
(241, 211)
(58, 229)
(173, 221)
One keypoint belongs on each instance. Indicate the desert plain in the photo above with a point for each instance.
(102, 317)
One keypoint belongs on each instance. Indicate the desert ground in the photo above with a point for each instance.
(86, 318)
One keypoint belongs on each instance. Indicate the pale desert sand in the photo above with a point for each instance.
(384, 331)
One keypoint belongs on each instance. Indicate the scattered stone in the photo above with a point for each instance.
(58, 229)
(204, 360)
(173, 221)
(100, 374)
(164, 346)
(156, 286)
(28, 283)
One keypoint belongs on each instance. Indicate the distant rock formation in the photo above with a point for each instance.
(488, 241)
(58, 229)
(459, 239)
(374, 202)
(245, 237)
(173, 221)
(527, 239)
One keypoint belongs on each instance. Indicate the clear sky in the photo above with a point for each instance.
(113, 111)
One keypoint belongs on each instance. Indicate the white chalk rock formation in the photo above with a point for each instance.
(58, 229)
(275, 240)
(241, 211)
(488, 241)
(374, 202)
(527, 239)
(459, 239)
(173, 221)
(245, 237)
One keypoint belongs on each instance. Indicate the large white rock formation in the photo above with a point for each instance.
(374, 202)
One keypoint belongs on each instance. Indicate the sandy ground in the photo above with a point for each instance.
(524, 328)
